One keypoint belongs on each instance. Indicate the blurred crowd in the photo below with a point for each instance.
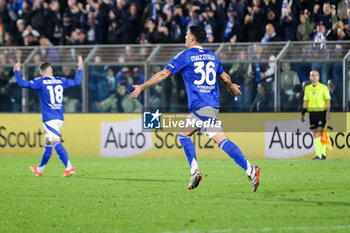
(83, 22)
(80, 22)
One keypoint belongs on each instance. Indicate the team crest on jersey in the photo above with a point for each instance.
(314, 93)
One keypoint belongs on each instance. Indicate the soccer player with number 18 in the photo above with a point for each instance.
(50, 91)
(199, 68)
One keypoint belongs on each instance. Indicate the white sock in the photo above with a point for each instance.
(41, 169)
(249, 168)
(69, 165)
(194, 166)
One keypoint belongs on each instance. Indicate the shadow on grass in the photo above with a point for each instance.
(292, 200)
(128, 179)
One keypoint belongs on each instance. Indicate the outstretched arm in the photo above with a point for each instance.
(19, 79)
(77, 80)
(233, 88)
(157, 78)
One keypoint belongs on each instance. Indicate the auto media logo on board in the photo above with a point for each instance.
(288, 139)
(170, 122)
(151, 120)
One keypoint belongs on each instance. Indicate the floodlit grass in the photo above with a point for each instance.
(150, 195)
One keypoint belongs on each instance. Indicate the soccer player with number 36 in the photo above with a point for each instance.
(199, 68)
(50, 90)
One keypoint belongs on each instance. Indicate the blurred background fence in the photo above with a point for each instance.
(272, 76)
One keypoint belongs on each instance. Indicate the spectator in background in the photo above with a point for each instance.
(36, 60)
(213, 22)
(41, 18)
(25, 13)
(342, 9)
(73, 38)
(29, 30)
(289, 25)
(270, 34)
(346, 23)
(96, 74)
(18, 33)
(253, 28)
(319, 49)
(262, 101)
(134, 20)
(294, 102)
(179, 24)
(67, 26)
(81, 37)
(239, 75)
(288, 79)
(9, 39)
(165, 36)
(194, 16)
(263, 69)
(301, 34)
(152, 10)
(328, 17)
(5, 104)
(72, 96)
(272, 19)
(336, 94)
(205, 23)
(156, 97)
(106, 84)
(120, 101)
(48, 50)
(152, 34)
(15, 93)
(57, 20)
(231, 27)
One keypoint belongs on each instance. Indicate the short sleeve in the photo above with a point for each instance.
(327, 94)
(220, 69)
(306, 94)
(179, 62)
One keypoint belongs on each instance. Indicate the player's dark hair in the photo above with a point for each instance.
(44, 66)
(199, 33)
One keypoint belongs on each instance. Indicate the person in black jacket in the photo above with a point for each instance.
(262, 101)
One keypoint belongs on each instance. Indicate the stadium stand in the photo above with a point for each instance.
(256, 41)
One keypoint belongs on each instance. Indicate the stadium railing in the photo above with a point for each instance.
(135, 63)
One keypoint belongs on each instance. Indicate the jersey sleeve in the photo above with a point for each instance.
(73, 82)
(220, 69)
(33, 84)
(179, 62)
(306, 94)
(326, 94)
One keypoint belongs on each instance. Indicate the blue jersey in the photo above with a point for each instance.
(50, 91)
(199, 68)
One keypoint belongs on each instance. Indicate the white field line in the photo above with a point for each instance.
(271, 229)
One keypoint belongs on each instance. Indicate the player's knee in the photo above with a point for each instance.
(54, 141)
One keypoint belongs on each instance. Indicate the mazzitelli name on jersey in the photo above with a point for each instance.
(202, 57)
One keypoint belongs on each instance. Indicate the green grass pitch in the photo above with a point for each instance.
(150, 195)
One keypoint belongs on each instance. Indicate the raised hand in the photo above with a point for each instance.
(80, 62)
(17, 66)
